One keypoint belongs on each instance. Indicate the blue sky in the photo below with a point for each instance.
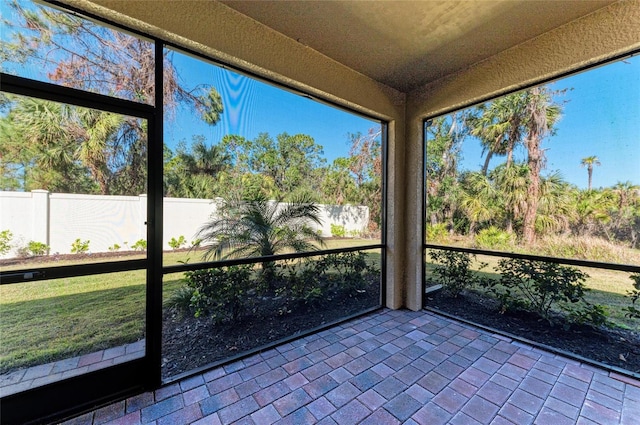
(252, 107)
(601, 117)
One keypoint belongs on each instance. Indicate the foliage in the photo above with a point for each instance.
(5, 241)
(287, 166)
(338, 231)
(589, 162)
(538, 285)
(115, 247)
(445, 136)
(263, 228)
(37, 248)
(437, 232)
(140, 245)
(312, 281)
(79, 247)
(453, 270)
(587, 313)
(177, 243)
(228, 293)
(222, 293)
(194, 172)
(68, 149)
(632, 311)
(494, 238)
(180, 299)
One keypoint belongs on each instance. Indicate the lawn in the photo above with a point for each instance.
(50, 320)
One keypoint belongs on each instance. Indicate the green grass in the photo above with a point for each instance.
(51, 320)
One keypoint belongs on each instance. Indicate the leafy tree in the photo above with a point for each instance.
(72, 51)
(624, 213)
(365, 164)
(589, 162)
(288, 165)
(444, 139)
(40, 143)
(259, 227)
(338, 184)
(203, 159)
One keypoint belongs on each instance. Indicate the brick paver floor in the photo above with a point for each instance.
(390, 367)
(36, 376)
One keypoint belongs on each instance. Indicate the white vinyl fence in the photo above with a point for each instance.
(58, 219)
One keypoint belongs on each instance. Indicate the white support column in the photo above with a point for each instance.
(142, 228)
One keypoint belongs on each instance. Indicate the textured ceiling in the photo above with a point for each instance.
(406, 44)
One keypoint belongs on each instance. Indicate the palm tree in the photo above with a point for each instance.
(589, 162)
(541, 114)
(260, 227)
(499, 126)
(511, 184)
(203, 159)
(477, 199)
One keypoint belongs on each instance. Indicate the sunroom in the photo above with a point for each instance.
(199, 192)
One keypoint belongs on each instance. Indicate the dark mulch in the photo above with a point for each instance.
(613, 347)
(189, 342)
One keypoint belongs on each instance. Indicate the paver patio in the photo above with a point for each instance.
(390, 367)
(35, 376)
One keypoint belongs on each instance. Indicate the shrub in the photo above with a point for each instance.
(593, 314)
(114, 247)
(315, 280)
(180, 299)
(220, 293)
(196, 243)
(494, 238)
(140, 245)
(5, 241)
(632, 311)
(347, 271)
(437, 232)
(177, 243)
(37, 248)
(304, 284)
(338, 231)
(453, 270)
(79, 247)
(537, 285)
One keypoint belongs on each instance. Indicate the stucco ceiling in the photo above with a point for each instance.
(406, 44)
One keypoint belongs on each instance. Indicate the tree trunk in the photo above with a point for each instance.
(485, 167)
(537, 127)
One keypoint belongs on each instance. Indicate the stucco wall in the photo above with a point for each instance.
(602, 35)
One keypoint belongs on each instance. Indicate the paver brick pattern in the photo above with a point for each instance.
(390, 367)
